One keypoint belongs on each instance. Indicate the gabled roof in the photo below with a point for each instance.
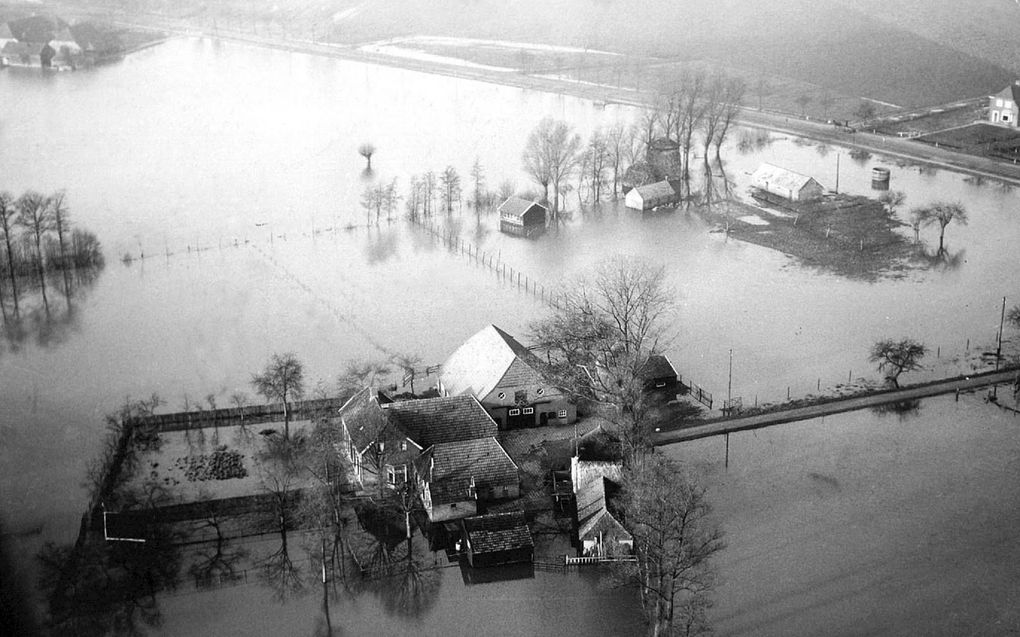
(1012, 92)
(366, 421)
(516, 207)
(657, 366)
(777, 177)
(657, 190)
(24, 48)
(497, 532)
(590, 485)
(436, 420)
(478, 366)
(448, 466)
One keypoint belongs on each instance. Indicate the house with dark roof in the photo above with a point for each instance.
(453, 477)
(506, 378)
(522, 218)
(382, 437)
(378, 449)
(786, 183)
(599, 532)
(649, 196)
(1004, 106)
(659, 375)
(497, 538)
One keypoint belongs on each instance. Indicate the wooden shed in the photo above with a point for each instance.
(786, 183)
(522, 218)
(497, 538)
(660, 193)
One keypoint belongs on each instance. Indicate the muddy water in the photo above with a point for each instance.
(250, 155)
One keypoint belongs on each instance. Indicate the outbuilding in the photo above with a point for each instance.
(786, 183)
(497, 538)
(649, 196)
(522, 218)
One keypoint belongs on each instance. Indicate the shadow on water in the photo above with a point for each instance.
(43, 322)
(903, 410)
(943, 260)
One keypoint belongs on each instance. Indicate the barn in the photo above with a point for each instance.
(786, 183)
(522, 218)
(649, 196)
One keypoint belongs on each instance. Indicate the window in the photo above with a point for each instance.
(529, 410)
(501, 395)
(998, 102)
(660, 383)
(403, 445)
(396, 475)
(382, 446)
(514, 412)
(563, 413)
(1005, 117)
(540, 391)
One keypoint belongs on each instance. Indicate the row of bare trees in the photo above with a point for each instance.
(36, 236)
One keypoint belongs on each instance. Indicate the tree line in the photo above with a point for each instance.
(37, 236)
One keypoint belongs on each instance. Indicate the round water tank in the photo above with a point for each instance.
(880, 178)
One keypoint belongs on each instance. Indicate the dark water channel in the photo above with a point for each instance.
(242, 163)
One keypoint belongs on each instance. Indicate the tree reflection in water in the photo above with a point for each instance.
(37, 320)
(940, 260)
(903, 409)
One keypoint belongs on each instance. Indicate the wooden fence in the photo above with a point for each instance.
(505, 272)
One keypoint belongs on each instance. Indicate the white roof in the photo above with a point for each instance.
(780, 178)
(656, 190)
(477, 366)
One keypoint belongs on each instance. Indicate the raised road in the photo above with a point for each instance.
(829, 406)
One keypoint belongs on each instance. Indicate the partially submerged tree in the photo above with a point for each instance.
(366, 150)
(943, 213)
(550, 156)
(283, 380)
(34, 215)
(449, 180)
(8, 215)
(667, 512)
(602, 335)
(865, 110)
(895, 357)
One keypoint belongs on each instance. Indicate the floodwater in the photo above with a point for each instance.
(867, 524)
(250, 156)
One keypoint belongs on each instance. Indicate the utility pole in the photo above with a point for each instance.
(837, 171)
(729, 406)
(998, 346)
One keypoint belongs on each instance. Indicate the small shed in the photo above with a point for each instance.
(660, 193)
(659, 375)
(786, 183)
(522, 218)
(497, 538)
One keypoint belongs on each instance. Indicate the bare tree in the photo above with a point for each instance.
(895, 357)
(366, 150)
(359, 374)
(617, 141)
(8, 217)
(668, 513)
(61, 222)
(943, 213)
(550, 156)
(478, 179)
(733, 96)
(408, 364)
(865, 110)
(604, 332)
(449, 180)
(34, 214)
(594, 163)
(761, 89)
(283, 379)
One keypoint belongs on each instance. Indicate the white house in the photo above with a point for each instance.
(786, 183)
(1004, 106)
(649, 196)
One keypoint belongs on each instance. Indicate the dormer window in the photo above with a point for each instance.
(403, 445)
(382, 446)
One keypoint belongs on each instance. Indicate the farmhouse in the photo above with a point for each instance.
(454, 476)
(383, 437)
(497, 538)
(649, 196)
(522, 218)
(1004, 106)
(599, 533)
(504, 377)
(786, 183)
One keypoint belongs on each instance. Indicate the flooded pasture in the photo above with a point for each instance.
(233, 171)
